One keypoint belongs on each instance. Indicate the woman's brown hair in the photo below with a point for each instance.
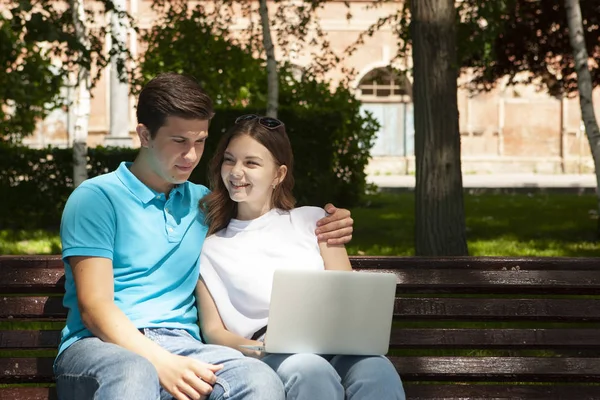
(217, 206)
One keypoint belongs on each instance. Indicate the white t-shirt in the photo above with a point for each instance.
(238, 262)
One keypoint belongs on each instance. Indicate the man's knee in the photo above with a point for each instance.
(135, 369)
(112, 373)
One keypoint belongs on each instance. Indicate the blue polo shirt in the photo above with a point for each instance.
(154, 244)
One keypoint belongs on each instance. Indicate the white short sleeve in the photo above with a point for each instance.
(305, 219)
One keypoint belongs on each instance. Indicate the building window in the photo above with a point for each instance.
(385, 85)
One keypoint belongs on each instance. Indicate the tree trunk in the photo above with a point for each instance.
(118, 134)
(273, 80)
(82, 99)
(584, 85)
(440, 216)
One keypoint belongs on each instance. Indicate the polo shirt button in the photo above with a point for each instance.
(170, 229)
(166, 210)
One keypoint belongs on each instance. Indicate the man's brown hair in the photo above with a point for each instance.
(172, 95)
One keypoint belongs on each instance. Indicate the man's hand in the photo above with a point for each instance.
(336, 228)
(185, 378)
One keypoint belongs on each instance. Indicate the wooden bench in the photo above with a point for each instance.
(463, 327)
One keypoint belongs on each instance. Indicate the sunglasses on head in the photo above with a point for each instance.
(267, 122)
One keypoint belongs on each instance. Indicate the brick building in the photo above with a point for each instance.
(510, 129)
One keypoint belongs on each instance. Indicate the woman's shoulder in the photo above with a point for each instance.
(308, 213)
(305, 218)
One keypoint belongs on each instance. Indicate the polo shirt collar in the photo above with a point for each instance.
(137, 187)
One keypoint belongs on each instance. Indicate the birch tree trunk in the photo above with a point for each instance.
(584, 86)
(440, 217)
(118, 134)
(273, 80)
(81, 105)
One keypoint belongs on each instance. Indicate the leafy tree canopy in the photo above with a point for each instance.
(183, 40)
(514, 38)
(531, 37)
(190, 40)
(29, 84)
(40, 54)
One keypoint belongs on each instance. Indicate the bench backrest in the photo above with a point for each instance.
(463, 327)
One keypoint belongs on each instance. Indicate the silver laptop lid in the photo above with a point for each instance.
(331, 312)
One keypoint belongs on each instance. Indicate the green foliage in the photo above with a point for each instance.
(531, 39)
(40, 53)
(502, 38)
(29, 85)
(479, 25)
(184, 41)
(35, 183)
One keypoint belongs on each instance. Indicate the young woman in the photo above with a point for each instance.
(254, 229)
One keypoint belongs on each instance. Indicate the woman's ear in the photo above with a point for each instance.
(281, 173)
(143, 134)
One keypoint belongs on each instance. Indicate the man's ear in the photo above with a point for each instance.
(143, 134)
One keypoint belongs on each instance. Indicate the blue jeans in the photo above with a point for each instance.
(311, 376)
(93, 369)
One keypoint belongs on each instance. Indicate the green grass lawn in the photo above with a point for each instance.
(497, 225)
(29, 242)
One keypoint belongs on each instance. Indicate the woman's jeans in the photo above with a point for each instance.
(93, 369)
(311, 377)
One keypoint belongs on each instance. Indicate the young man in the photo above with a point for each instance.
(131, 243)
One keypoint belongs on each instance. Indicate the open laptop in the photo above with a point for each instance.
(330, 312)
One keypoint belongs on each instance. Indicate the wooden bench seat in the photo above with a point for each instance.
(464, 327)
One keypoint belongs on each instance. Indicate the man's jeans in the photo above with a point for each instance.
(311, 377)
(93, 369)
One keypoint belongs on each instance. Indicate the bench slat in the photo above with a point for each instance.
(51, 280)
(35, 307)
(500, 282)
(466, 391)
(33, 393)
(577, 310)
(26, 370)
(497, 369)
(433, 338)
(413, 392)
(417, 262)
(455, 369)
(440, 338)
(447, 273)
(29, 339)
(474, 263)
(35, 261)
(31, 280)
(498, 309)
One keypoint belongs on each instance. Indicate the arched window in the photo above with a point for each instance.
(385, 85)
(387, 95)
